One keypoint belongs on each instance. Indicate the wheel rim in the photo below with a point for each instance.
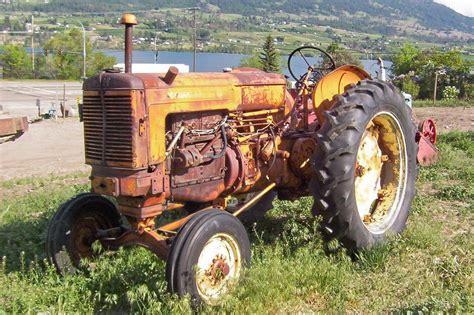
(380, 173)
(218, 268)
(84, 234)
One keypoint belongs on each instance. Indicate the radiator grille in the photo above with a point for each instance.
(108, 129)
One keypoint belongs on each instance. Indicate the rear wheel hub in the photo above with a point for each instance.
(380, 173)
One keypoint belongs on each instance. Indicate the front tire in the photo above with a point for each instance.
(365, 165)
(208, 256)
(73, 230)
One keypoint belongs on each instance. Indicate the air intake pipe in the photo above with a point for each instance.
(129, 20)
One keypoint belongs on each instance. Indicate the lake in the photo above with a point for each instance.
(215, 62)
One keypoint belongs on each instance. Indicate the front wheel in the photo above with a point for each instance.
(365, 166)
(73, 229)
(208, 256)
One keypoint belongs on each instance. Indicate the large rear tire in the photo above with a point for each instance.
(365, 165)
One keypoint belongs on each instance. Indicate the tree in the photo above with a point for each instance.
(204, 34)
(16, 62)
(452, 69)
(410, 86)
(340, 56)
(252, 61)
(65, 56)
(44, 67)
(269, 57)
(406, 60)
(6, 22)
(99, 62)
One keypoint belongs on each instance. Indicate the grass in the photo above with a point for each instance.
(429, 268)
(443, 103)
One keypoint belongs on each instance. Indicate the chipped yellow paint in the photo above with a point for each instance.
(334, 84)
(194, 92)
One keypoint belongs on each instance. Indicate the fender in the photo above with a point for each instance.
(335, 83)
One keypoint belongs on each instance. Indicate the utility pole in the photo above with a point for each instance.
(84, 52)
(33, 43)
(435, 87)
(437, 72)
(64, 101)
(194, 36)
(156, 38)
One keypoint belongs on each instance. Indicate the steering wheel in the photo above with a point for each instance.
(317, 72)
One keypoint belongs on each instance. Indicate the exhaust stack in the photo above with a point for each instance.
(129, 20)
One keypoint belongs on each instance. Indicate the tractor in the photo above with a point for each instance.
(222, 146)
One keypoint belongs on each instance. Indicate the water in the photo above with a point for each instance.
(205, 62)
(215, 62)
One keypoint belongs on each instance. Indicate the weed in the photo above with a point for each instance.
(375, 258)
(463, 141)
(456, 192)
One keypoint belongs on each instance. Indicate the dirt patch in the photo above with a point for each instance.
(56, 146)
(447, 118)
(48, 147)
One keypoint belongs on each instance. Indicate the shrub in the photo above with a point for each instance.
(411, 87)
(470, 91)
(450, 93)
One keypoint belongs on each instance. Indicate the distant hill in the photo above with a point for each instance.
(374, 16)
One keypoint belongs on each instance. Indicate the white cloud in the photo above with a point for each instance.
(465, 7)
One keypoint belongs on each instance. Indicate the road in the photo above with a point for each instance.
(50, 146)
(18, 98)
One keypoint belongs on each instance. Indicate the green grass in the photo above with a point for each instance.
(443, 103)
(429, 268)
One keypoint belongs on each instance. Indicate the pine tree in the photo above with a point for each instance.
(269, 57)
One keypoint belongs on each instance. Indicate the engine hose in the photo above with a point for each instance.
(224, 137)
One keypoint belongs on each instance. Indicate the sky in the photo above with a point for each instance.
(465, 7)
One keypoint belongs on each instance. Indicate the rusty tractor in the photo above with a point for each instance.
(223, 146)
